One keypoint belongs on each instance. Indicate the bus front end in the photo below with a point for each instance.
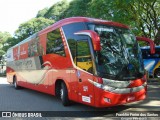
(113, 92)
(119, 67)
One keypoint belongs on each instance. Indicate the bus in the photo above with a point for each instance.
(151, 61)
(84, 62)
(46, 62)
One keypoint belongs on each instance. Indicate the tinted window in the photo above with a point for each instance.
(79, 46)
(35, 48)
(147, 55)
(69, 31)
(55, 43)
(83, 57)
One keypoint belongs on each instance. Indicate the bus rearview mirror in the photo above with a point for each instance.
(94, 37)
(151, 43)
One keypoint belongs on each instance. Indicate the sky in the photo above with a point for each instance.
(15, 12)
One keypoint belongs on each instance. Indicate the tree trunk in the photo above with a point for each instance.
(157, 38)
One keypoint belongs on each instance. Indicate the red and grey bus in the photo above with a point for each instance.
(51, 61)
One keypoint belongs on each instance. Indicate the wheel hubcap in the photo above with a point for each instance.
(158, 74)
(15, 84)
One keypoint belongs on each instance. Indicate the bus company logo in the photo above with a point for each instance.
(6, 114)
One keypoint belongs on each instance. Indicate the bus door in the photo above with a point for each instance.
(84, 72)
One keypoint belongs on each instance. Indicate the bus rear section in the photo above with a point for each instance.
(90, 61)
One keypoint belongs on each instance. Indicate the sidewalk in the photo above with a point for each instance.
(152, 102)
(154, 81)
(3, 80)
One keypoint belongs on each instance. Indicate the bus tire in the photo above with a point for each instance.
(64, 95)
(157, 73)
(15, 83)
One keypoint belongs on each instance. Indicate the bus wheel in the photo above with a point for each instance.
(64, 94)
(15, 83)
(157, 73)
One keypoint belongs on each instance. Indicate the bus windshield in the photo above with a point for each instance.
(120, 56)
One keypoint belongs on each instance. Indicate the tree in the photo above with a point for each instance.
(77, 8)
(55, 11)
(157, 37)
(148, 17)
(32, 26)
(142, 16)
(42, 12)
(10, 42)
(4, 36)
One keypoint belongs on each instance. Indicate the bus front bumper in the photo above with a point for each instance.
(107, 98)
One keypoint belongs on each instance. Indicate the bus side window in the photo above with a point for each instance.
(83, 56)
(55, 43)
(69, 31)
(35, 48)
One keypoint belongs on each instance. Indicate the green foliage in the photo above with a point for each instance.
(147, 17)
(2, 52)
(143, 17)
(101, 9)
(83, 48)
(77, 8)
(32, 26)
(11, 41)
(4, 36)
(56, 10)
(25, 30)
(42, 12)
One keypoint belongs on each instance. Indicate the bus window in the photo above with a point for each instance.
(55, 43)
(35, 48)
(69, 31)
(83, 58)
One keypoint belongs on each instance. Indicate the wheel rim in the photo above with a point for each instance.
(158, 74)
(61, 94)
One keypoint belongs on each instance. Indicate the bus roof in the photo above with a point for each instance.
(81, 19)
(69, 21)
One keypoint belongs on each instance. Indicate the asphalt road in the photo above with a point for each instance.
(29, 100)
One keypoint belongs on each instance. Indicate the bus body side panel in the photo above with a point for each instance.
(48, 84)
(82, 90)
(40, 72)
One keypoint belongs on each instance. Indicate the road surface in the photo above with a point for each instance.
(29, 100)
